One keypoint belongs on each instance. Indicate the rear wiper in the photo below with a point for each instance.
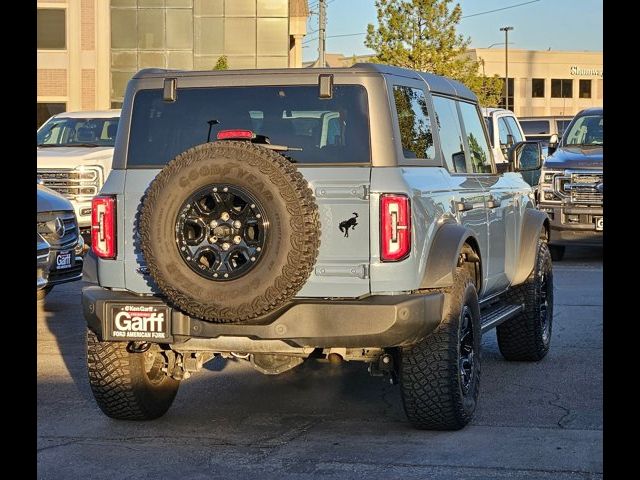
(279, 148)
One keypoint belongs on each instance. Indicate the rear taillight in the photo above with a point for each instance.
(235, 135)
(103, 226)
(395, 227)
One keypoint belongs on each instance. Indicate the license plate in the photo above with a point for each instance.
(139, 322)
(599, 223)
(64, 259)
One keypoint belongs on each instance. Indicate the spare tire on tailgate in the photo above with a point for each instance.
(230, 231)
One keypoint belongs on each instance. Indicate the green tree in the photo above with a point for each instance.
(222, 63)
(421, 35)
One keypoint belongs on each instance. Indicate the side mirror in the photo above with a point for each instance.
(553, 143)
(526, 156)
(510, 141)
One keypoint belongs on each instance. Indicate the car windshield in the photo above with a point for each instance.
(585, 130)
(317, 130)
(78, 132)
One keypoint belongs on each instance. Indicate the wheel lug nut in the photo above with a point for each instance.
(253, 205)
(258, 215)
(215, 275)
(183, 248)
(225, 246)
(226, 275)
(213, 239)
(237, 239)
(259, 249)
(215, 189)
(253, 259)
(225, 189)
(224, 216)
(237, 224)
(213, 224)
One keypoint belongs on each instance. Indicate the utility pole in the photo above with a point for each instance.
(506, 65)
(322, 25)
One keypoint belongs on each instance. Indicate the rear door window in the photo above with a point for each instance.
(334, 130)
(450, 134)
(479, 153)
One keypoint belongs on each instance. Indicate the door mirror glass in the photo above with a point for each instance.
(526, 156)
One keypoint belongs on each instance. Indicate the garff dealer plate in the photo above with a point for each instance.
(139, 322)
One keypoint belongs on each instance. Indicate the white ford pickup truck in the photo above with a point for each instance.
(75, 151)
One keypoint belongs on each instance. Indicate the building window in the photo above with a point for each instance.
(47, 110)
(561, 88)
(52, 32)
(537, 87)
(502, 103)
(414, 122)
(585, 88)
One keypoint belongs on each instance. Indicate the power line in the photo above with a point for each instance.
(498, 9)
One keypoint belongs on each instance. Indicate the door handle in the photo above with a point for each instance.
(464, 206)
(493, 203)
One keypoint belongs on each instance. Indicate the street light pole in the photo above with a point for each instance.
(506, 65)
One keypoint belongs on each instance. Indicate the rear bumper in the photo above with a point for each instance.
(377, 321)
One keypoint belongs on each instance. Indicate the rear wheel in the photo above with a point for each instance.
(440, 376)
(526, 337)
(126, 385)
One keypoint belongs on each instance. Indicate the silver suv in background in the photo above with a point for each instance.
(75, 151)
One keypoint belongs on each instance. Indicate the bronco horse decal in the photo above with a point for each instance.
(345, 224)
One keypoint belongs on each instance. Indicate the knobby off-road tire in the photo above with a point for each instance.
(557, 252)
(435, 393)
(128, 386)
(292, 236)
(527, 336)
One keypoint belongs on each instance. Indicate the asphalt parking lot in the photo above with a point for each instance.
(534, 420)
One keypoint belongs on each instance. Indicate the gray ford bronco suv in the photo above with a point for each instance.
(337, 214)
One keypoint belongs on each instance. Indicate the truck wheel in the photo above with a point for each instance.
(128, 386)
(526, 337)
(230, 231)
(557, 252)
(440, 376)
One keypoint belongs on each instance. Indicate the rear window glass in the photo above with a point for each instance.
(334, 130)
(535, 127)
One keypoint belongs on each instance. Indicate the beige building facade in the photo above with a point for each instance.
(546, 83)
(89, 49)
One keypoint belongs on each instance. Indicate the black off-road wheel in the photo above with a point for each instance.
(557, 252)
(440, 376)
(128, 386)
(526, 337)
(230, 231)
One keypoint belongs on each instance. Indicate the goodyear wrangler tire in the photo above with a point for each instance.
(440, 375)
(230, 231)
(126, 385)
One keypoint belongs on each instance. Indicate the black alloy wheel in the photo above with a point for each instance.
(466, 352)
(221, 232)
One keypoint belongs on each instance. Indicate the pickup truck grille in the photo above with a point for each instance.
(580, 188)
(47, 228)
(72, 183)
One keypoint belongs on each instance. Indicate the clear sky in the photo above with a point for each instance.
(544, 24)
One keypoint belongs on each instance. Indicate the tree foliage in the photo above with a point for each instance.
(421, 35)
(222, 63)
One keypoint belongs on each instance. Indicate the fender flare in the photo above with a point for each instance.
(443, 255)
(534, 224)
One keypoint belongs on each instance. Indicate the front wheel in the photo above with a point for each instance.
(126, 385)
(440, 376)
(527, 336)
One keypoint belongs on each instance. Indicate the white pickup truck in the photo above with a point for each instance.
(75, 151)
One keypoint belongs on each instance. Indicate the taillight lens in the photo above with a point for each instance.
(395, 227)
(235, 135)
(103, 226)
